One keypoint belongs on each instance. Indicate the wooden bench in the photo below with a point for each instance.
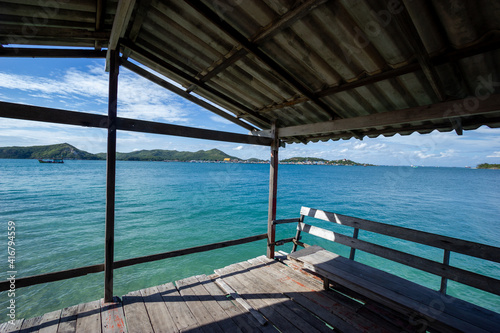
(425, 308)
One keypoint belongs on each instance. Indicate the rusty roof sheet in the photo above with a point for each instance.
(320, 69)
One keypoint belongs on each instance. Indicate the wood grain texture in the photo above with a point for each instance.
(136, 315)
(160, 317)
(50, 322)
(478, 250)
(178, 309)
(89, 317)
(400, 294)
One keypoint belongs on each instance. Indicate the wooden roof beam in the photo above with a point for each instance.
(12, 32)
(264, 58)
(58, 116)
(265, 34)
(286, 20)
(405, 23)
(99, 19)
(141, 14)
(120, 23)
(22, 52)
(142, 72)
(155, 59)
(444, 110)
(451, 56)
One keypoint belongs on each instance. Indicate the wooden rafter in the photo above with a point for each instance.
(405, 22)
(120, 24)
(286, 20)
(139, 18)
(225, 63)
(263, 57)
(50, 53)
(450, 56)
(12, 20)
(142, 72)
(145, 53)
(444, 110)
(265, 34)
(48, 33)
(99, 19)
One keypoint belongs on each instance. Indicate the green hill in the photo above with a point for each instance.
(347, 162)
(172, 155)
(68, 152)
(488, 166)
(303, 160)
(62, 150)
(315, 160)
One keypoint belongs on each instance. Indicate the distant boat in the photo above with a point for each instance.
(414, 166)
(54, 160)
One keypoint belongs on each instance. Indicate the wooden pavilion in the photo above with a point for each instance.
(288, 71)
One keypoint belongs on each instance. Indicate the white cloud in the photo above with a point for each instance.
(495, 154)
(360, 145)
(238, 148)
(137, 97)
(447, 153)
(423, 155)
(221, 120)
(378, 146)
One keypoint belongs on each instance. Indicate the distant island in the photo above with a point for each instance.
(68, 152)
(320, 161)
(62, 150)
(212, 155)
(488, 166)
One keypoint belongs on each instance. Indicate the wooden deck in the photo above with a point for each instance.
(276, 293)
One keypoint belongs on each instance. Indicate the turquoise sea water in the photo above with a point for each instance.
(58, 212)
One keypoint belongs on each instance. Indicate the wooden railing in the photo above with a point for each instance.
(113, 123)
(447, 244)
(81, 271)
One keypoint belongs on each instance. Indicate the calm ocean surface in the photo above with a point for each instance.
(59, 215)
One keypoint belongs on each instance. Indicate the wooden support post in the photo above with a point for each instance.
(353, 250)
(444, 281)
(273, 187)
(326, 283)
(111, 177)
(297, 235)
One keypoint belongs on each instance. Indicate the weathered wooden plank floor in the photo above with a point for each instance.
(277, 293)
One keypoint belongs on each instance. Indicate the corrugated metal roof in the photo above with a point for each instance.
(299, 63)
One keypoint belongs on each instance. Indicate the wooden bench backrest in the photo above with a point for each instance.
(448, 244)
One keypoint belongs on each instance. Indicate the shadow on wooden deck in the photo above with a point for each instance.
(280, 296)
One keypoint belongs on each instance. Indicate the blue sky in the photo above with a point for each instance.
(81, 85)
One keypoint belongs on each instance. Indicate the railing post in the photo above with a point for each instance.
(297, 235)
(353, 250)
(444, 281)
(273, 187)
(111, 177)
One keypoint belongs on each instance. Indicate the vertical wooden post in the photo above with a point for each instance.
(111, 177)
(297, 235)
(353, 250)
(273, 189)
(444, 281)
